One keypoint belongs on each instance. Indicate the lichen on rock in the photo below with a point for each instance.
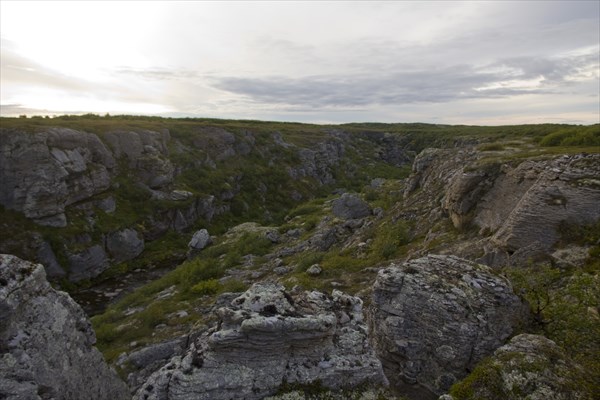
(46, 341)
(432, 319)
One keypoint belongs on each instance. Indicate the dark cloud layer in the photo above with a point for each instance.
(508, 77)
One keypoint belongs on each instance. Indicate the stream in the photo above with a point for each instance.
(96, 298)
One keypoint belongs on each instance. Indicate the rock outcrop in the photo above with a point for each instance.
(520, 208)
(46, 341)
(528, 367)
(432, 319)
(268, 337)
(42, 173)
(565, 190)
(146, 152)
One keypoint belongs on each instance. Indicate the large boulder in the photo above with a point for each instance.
(528, 367)
(88, 263)
(432, 319)
(350, 206)
(125, 244)
(47, 342)
(200, 240)
(268, 337)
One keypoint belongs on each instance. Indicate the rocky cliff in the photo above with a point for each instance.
(46, 341)
(134, 186)
(520, 208)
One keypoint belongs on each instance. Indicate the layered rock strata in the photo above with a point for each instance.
(46, 341)
(268, 337)
(432, 319)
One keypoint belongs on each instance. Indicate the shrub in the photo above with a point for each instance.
(491, 147)
(234, 286)
(573, 136)
(211, 286)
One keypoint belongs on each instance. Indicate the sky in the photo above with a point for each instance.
(475, 62)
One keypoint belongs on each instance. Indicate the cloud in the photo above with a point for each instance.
(157, 74)
(503, 78)
(342, 61)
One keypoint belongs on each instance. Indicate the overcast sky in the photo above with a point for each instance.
(488, 63)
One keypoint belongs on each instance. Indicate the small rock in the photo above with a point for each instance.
(281, 270)
(180, 195)
(314, 270)
(350, 206)
(293, 233)
(273, 236)
(377, 183)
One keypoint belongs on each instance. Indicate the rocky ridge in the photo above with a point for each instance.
(518, 208)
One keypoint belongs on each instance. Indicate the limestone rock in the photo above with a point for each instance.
(200, 240)
(318, 163)
(43, 172)
(314, 270)
(563, 190)
(434, 318)
(519, 207)
(147, 152)
(46, 341)
(87, 263)
(266, 337)
(350, 206)
(143, 362)
(124, 245)
(528, 367)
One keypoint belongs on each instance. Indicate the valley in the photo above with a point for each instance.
(392, 260)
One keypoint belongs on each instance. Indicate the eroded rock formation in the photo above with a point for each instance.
(46, 341)
(267, 337)
(42, 173)
(432, 319)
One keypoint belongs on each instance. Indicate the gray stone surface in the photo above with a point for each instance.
(88, 263)
(46, 341)
(266, 337)
(530, 367)
(350, 206)
(563, 190)
(124, 245)
(200, 240)
(46, 256)
(432, 319)
(145, 361)
(314, 270)
(43, 172)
